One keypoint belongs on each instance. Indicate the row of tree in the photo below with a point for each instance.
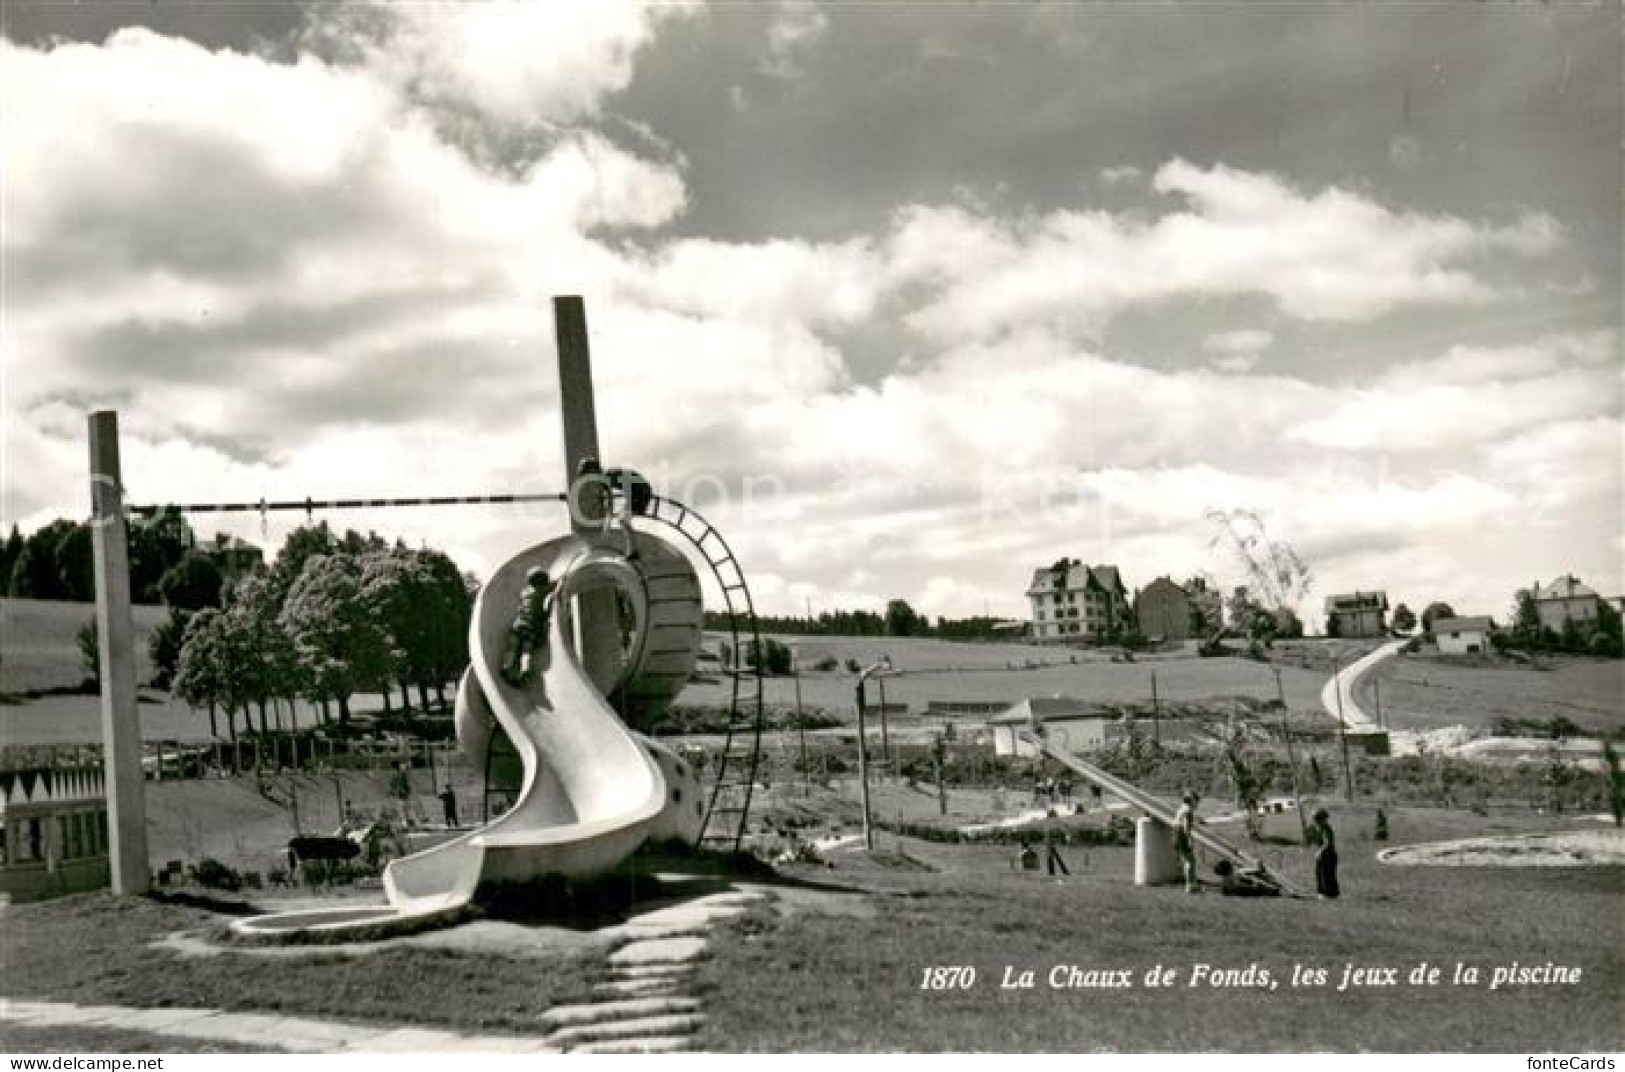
(899, 620)
(330, 618)
(55, 561)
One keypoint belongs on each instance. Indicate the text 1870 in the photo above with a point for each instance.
(952, 977)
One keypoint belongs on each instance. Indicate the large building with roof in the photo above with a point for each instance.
(1566, 600)
(1357, 614)
(1075, 603)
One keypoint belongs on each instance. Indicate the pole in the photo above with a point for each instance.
(863, 768)
(596, 619)
(885, 740)
(1291, 760)
(1156, 712)
(121, 724)
(1342, 731)
(801, 730)
(942, 788)
(1376, 696)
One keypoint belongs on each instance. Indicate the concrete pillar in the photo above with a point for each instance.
(1155, 861)
(121, 725)
(596, 620)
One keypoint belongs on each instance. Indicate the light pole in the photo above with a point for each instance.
(863, 750)
(885, 738)
(1342, 730)
(1291, 761)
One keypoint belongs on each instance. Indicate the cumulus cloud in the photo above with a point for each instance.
(310, 280)
(510, 61)
(1330, 255)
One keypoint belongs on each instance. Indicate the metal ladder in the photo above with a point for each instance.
(728, 810)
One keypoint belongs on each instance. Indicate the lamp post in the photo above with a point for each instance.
(863, 750)
(1342, 730)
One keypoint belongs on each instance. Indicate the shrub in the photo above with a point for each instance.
(213, 875)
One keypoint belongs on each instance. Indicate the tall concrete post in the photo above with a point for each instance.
(596, 617)
(121, 726)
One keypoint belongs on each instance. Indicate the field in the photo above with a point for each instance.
(943, 670)
(836, 957)
(1418, 691)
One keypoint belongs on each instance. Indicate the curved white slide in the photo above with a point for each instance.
(592, 792)
(1337, 697)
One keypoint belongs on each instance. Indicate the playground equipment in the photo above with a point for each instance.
(1154, 859)
(622, 637)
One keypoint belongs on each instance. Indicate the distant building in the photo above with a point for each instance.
(235, 557)
(1074, 602)
(1566, 600)
(53, 832)
(1463, 636)
(1164, 611)
(1357, 614)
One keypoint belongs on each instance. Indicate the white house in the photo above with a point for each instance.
(1074, 602)
(1463, 636)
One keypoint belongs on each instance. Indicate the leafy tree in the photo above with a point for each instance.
(902, 620)
(206, 670)
(89, 641)
(1525, 616)
(1433, 612)
(341, 649)
(157, 544)
(9, 552)
(192, 583)
(164, 648)
(774, 657)
(34, 573)
(269, 667)
(1404, 619)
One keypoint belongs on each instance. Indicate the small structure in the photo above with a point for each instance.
(1165, 611)
(1072, 602)
(1566, 600)
(1357, 614)
(1077, 725)
(53, 832)
(1463, 636)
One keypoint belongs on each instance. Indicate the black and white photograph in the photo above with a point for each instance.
(537, 527)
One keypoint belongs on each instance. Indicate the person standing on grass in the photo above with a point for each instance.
(1185, 841)
(1325, 856)
(448, 803)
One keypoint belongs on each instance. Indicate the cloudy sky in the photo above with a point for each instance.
(912, 299)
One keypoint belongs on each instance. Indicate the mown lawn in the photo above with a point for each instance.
(811, 982)
(95, 949)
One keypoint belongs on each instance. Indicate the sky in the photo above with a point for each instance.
(908, 299)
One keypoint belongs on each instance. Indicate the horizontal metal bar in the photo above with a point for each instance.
(311, 505)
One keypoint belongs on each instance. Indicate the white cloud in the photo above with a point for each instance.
(1331, 255)
(515, 62)
(795, 31)
(1243, 341)
(355, 301)
(1122, 175)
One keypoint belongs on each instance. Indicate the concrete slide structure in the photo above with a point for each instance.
(593, 791)
(1152, 806)
(1337, 697)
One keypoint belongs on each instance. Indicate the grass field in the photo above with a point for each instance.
(943, 670)
(855, 982)
(1419, 691)
(843, 970)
